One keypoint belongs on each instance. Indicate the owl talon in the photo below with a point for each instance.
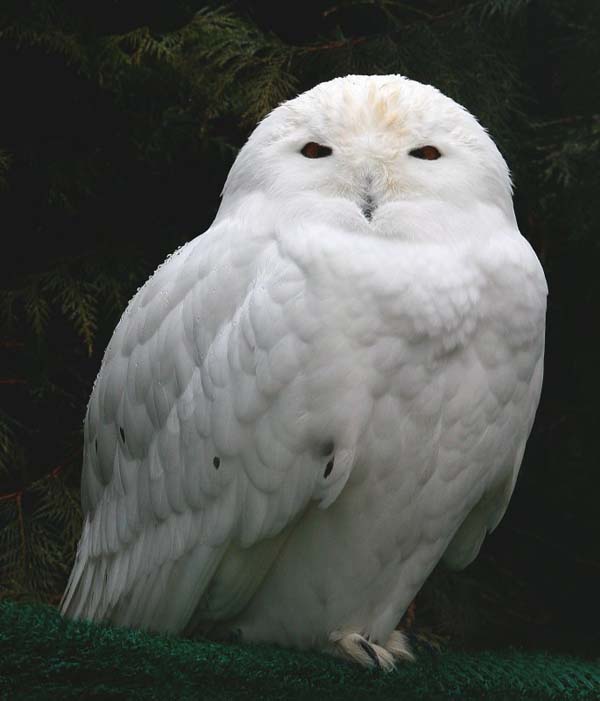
(369, 650)
(398, 645)
(358, 648)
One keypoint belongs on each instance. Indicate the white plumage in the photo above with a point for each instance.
(311, 404)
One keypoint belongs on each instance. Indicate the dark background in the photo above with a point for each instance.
(118, 124)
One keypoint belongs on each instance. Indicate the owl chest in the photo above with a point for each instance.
(413, 355)
(374, 323)
(438, 390)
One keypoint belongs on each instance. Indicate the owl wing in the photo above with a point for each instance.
(196, 438)
(490, 509)
(508, 358)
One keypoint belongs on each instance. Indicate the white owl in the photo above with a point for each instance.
(309, 406)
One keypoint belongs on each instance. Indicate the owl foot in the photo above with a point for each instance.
(359, 648)
(419, 637)
(397, 645)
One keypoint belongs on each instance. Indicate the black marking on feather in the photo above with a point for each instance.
(216, 462)
(96, 445)
(369, 650)
(122, 432)
(328, 468)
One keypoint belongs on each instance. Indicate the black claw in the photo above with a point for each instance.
(372, 654)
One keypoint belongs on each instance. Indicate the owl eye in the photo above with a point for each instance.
(314, 150)
(427, 153)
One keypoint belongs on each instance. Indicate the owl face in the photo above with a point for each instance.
(370, 144)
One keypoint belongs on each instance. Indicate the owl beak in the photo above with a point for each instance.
(368, 207)
(368, 204)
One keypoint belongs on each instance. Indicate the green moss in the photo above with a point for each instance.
(43, 656)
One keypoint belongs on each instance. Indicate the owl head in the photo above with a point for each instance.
(369, 147)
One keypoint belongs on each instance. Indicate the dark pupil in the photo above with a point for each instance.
(427, 153)
(314, 150)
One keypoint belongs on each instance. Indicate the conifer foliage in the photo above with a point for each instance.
(119, 122)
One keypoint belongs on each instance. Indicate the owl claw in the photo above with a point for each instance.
(398, 646)
(371, 652)
(358, 648)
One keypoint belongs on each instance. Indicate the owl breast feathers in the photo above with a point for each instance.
(308, 406)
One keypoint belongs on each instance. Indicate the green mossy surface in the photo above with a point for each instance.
(43, 656)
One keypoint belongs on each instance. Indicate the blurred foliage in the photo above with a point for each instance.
(119, 123)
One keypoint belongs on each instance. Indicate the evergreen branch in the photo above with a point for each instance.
(37, 543)
(119, 53)
(37, 308)
(140, 45)
(10, 452)
(78, 302)
(16, 494)
(334, 45)
(562, 162)
(507, 9)
(9, 540)
(570, 119)
(48, 37)
(5, 161)
(390, 8)
(10, 496)
(483, 9)
(76, 290)
(21, 522)
(7, 308)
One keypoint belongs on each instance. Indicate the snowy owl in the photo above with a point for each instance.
(310, 405)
